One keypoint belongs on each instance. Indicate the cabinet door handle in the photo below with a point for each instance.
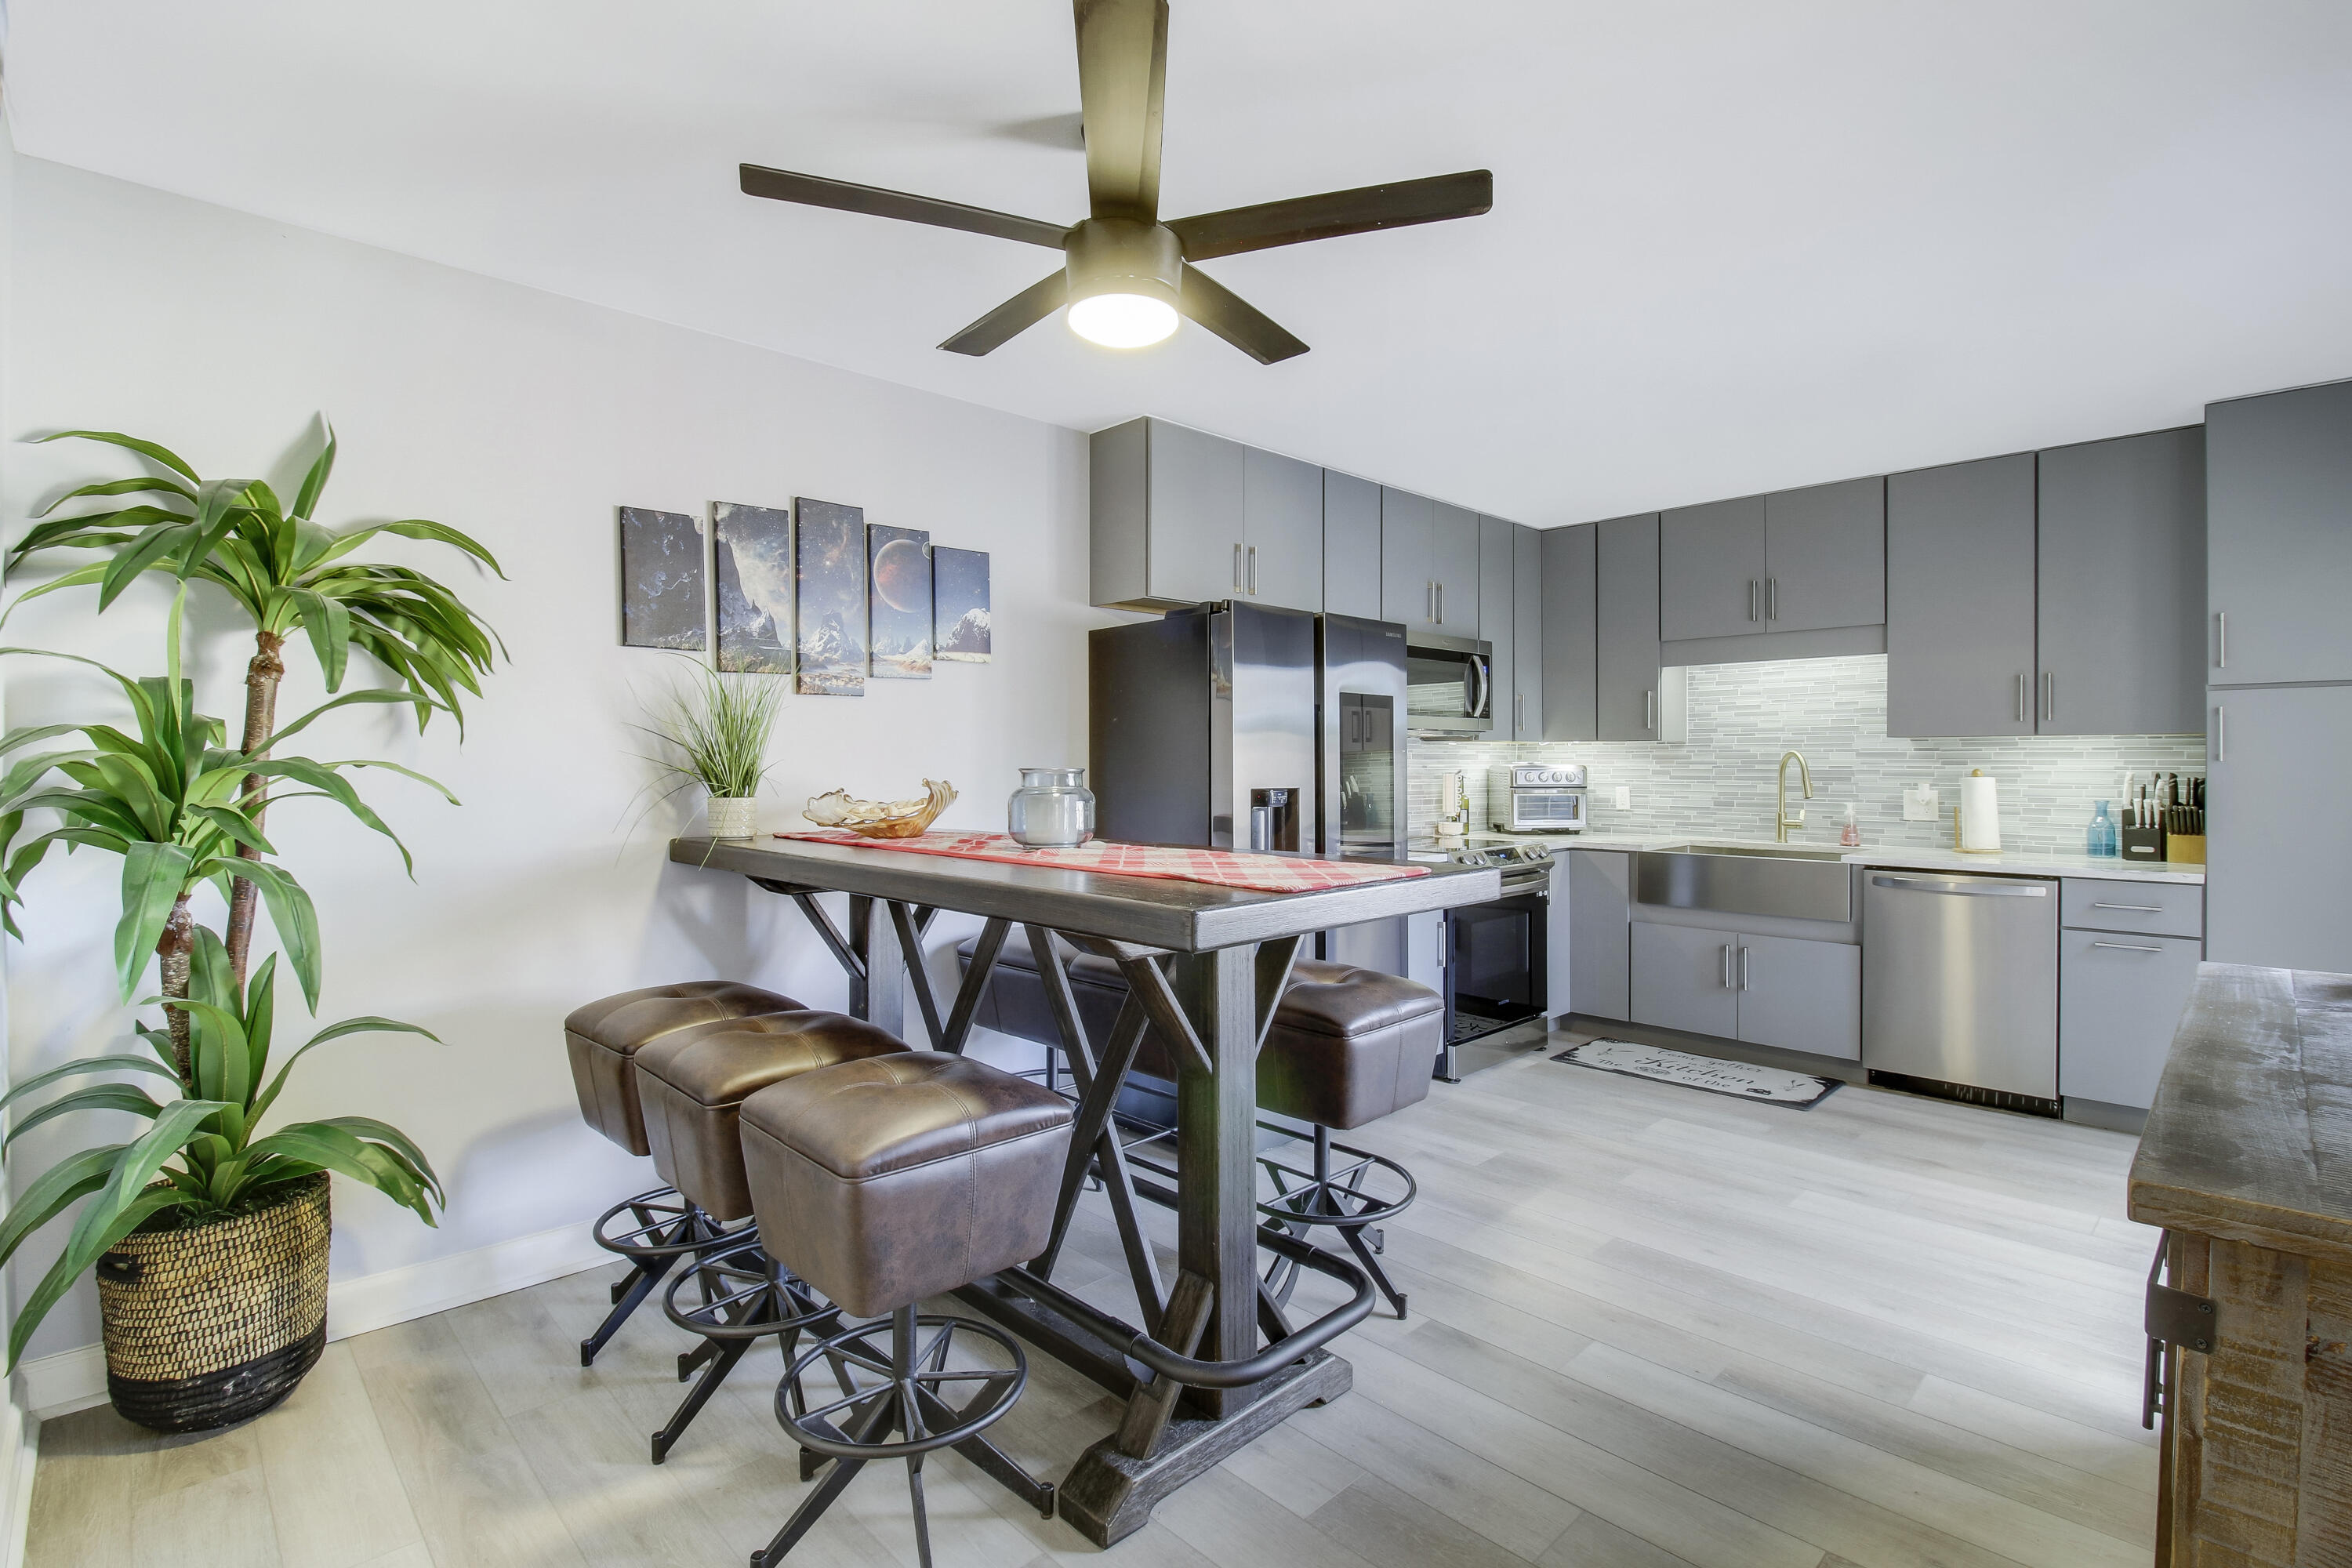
(1519, 711)
(1649, 710)
(2126, 947)
(1751, 598)
(1727, 966)
(2136, 909)
(2220, 639)
(1429, 600)
(1237, 568)
(1743, 968)
(1441, 603)
(2020, 698)
(1253, 569)
(2221, 734)
(2048, 696)
(1771, 599)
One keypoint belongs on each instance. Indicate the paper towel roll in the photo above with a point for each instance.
(1980, 813)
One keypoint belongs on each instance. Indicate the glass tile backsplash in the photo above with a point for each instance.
(1744, 716)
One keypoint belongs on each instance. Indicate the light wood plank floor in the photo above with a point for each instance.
(1650, 1327)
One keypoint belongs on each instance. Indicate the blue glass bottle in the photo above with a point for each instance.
(2106, 839)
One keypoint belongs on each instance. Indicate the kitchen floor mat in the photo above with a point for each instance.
(1740, 1080)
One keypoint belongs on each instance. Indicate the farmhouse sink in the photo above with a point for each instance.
(1790, 881)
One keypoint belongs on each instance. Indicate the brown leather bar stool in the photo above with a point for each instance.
(654, 1229)
(1347, 1046)
(882, 1182)
(692, 1084)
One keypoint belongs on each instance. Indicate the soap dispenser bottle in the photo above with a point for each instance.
(1851, 834)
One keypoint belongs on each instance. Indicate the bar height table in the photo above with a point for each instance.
(1206, 965)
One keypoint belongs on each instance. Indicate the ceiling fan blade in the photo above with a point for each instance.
(1013, 317)
(1336, 213)
(816, 190)
(1122, 81)
(1236, 319)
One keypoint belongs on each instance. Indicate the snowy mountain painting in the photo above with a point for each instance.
(960, 613)
(662, 592)
(830, 598)
(752, 552)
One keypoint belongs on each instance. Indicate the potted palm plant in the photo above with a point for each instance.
(714, 730)
(209, 1232)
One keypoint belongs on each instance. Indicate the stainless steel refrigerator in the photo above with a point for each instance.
(1239, 726)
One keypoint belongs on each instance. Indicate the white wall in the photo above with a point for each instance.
(524, 419)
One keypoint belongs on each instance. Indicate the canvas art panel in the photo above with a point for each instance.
(898, 564)
(751, 573)
(959, 595)
(661, 580)
(830, 598)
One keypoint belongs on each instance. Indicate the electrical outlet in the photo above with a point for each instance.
(1623, 797)
(1921, 802)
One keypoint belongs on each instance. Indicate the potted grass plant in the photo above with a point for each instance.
(208, 1229)
(714, 731)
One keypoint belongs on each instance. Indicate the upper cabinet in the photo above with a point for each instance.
(2279, 537)
(1408, 553)
(1796, 561)
(1826, 556)
(1526, 712)
(1455, 545)
(1711, 570)
(1495, 562)
(1959, 599)
(1182, 517)
(2121, 587)
(1625, 625)
(1351, 545)
(1571, 649)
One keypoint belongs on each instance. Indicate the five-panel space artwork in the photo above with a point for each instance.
(814, 592)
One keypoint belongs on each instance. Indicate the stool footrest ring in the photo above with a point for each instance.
(915, 1383)
(657, 1225)
(746, 1295)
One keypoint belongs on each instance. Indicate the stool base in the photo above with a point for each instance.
(664, 1227)
(904, 1393)
(1337, 1198)
(746, 1297)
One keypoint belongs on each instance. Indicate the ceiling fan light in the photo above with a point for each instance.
(1123, 320)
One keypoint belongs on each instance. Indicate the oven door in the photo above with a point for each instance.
(1544, 811)
(1449, 684)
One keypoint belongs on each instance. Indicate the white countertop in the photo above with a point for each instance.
(2015, 863)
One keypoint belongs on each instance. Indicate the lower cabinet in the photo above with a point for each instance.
(2120, 997)
(1599, 899)
(1789, 993)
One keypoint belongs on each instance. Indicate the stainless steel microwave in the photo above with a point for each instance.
(1449, 684)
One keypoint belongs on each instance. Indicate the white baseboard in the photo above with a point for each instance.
(76, 1379)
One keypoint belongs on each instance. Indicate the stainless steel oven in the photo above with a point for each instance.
(1498, 953)
(1449, 684)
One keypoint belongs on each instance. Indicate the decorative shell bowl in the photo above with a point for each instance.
(882, 818)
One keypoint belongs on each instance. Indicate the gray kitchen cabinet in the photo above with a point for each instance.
(1681, 978)
(2121, 587)
(1711, 570)
(1600, 932)
(1799, 995)
(1959, 599)
(1182, 517)
(1408, 560)
(1496, 561)
(1826, 556)
(1626, 660)
(1282, 531)
(1351, 546)
(2276, 852)
(2120, 997)
(2157, 909)
(2279, 536)
(1527, 710)
(1455, 542)
(1570, 643)
(1425, 949)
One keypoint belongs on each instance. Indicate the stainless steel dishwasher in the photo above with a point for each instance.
(1959, 987)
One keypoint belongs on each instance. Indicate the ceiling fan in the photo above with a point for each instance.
(1126, 275)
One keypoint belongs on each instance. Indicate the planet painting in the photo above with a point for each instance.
(960, 614)
(829, 590)
(662, 592)
(900, 569)
(751, 551)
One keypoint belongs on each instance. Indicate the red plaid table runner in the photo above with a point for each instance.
(1220, 868)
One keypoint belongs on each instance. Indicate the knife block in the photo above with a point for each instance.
(2185, 848)
(2144, 845)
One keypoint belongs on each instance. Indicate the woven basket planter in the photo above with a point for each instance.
(215, 1322)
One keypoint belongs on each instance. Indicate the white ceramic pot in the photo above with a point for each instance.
(734, 816)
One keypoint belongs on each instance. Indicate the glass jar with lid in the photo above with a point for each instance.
(1053, 809)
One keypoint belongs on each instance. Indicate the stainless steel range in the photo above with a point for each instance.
(1497, 954)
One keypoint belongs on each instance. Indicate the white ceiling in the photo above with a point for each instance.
(1734, 246)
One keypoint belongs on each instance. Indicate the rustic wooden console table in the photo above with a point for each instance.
(1215, 1363)
(2247, 1164)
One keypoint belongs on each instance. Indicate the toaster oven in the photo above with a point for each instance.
(1536, 797)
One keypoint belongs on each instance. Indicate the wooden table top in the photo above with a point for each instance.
(1156, 911)
(2251, 1134)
